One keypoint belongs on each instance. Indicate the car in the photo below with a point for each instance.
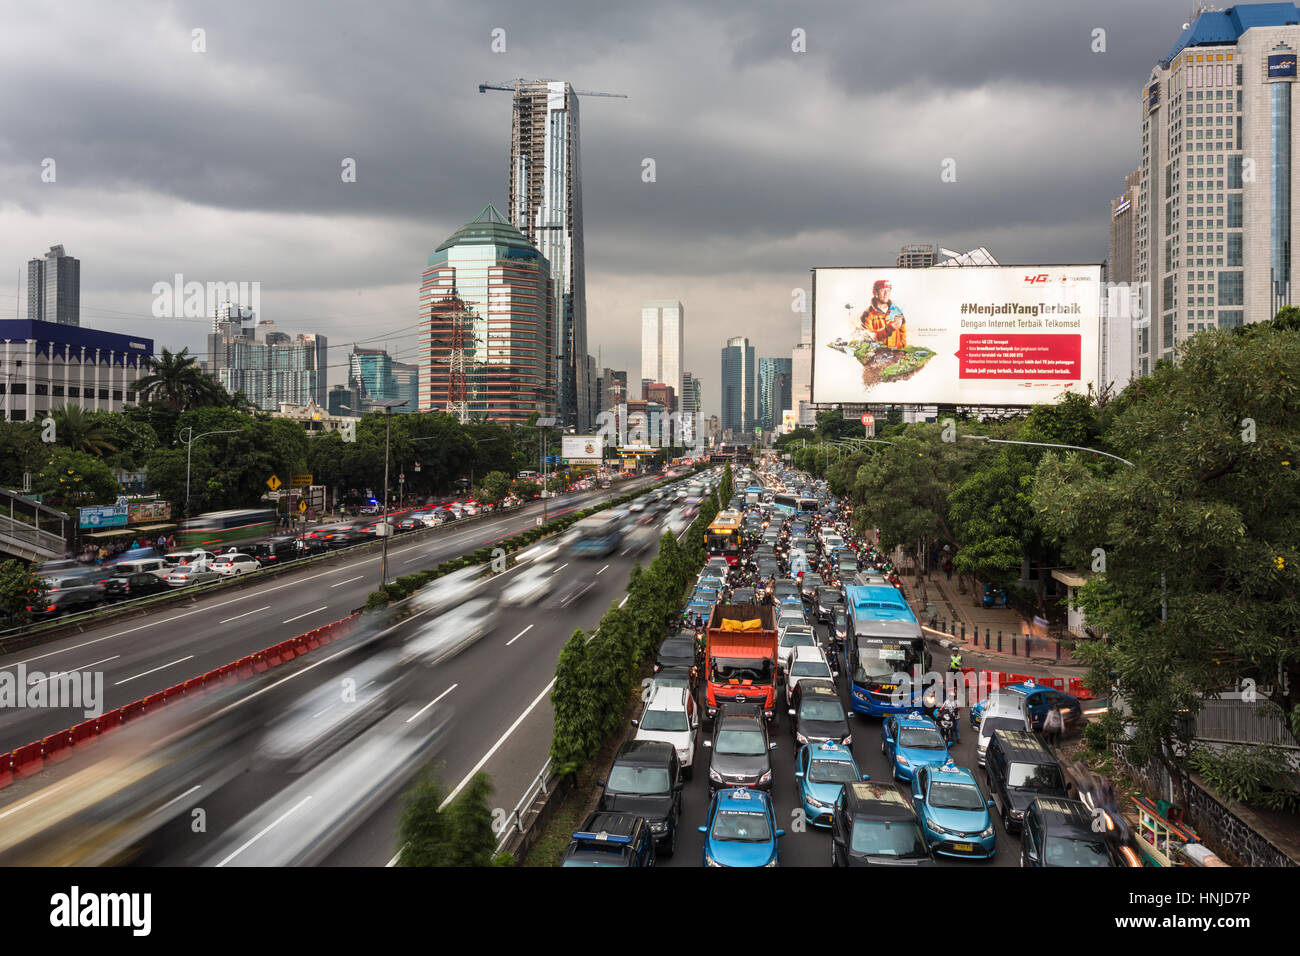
(794, 635)
(741, 830)
(804, 663)
(872, 825)
(817, 715)
(740, 749)
(273, 551)
(1019, 770)
(954, 812)
(785, 588)
(1009, 715)
(529, 586)
(155, 566)
(788, 615)
(646, 780)
(718, 564)
(670, 715)
(175, 559)
(133, 584)
(1061, 832)
(839, 627)
(808, 585)
(911, 741)
(826, 600)
(1038, 700)
(185, 575)
(437, 636)
(682, 677)
(677, 650)
(611, 839)
(233, 565)
(820, 771)
(93, 578)
(67, 600)
(742, 596)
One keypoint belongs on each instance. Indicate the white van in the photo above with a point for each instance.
(158, 567)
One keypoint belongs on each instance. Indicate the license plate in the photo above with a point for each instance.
(964, 847)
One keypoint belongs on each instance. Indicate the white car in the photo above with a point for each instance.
(795, 635)
(530, 585)
(451, 631)
(789, 615)
(1004, 713)
(670, 716)
(232, 565)
(441, 593)
(806, 662)
(186, 574)
(177, 558)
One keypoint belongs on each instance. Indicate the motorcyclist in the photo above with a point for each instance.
(950, 709)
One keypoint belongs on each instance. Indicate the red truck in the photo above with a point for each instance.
(740, 653)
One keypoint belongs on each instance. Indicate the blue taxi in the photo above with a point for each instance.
(741, 830)
(820, 770)
(911, 741)
(954, 812)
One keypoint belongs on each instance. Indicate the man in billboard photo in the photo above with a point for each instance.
(883, 320)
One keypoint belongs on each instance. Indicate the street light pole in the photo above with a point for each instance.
(544, 423)
(387, 404)
(189, 449)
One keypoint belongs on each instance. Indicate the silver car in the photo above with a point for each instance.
(185, 575)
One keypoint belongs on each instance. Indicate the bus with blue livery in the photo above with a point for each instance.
(753, 494)
(785, 504)
(884, 642)
(597, 536)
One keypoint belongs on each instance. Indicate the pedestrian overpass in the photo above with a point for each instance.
(31, 530)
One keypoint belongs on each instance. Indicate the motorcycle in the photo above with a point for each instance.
(947, 721)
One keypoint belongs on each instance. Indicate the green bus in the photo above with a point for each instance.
(226, 527)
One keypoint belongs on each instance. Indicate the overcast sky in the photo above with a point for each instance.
(225, 165)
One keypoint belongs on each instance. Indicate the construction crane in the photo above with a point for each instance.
(514, 87)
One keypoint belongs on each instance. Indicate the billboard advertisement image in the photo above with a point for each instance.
(993, 335)
(581, 447)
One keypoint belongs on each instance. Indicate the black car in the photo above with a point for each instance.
(873, 825)
(273, 551)
(1020, 770)
(827, 600)
(611, 839)
(308, 547)
(676, 651)
(808, 585)
(67, 600)
(817, 715)
(646, 780)
(1059, 832)
(134, 585)
(743, 596)
(741, 750)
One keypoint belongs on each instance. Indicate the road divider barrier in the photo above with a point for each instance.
(31, 759)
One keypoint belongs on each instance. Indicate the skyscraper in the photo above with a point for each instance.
(1215, 204)
(690, 399)
(371, 370)
(1123, 306)
(406, 385)
(487, 313)
(54, 288)
(268, 366)
(738, 375)
(662, 337)
(916, 256)
(546, 206)
(773, 390)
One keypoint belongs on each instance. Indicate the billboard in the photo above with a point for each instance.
(988, 335)
(789, 421)
(1281, 64)
(582, 447)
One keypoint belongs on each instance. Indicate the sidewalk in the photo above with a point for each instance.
(955, 610)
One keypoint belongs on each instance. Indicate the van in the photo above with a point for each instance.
(273, 551)
(1019, 770)
(158, 567)
(1000, 714)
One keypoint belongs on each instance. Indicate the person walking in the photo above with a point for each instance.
(947, 567)
(1053, 726)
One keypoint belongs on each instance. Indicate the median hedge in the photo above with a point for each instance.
(596, 673)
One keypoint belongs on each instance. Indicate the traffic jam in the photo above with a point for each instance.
(780, 727)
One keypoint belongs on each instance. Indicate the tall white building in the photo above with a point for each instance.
(662, 335)
(1215, 214)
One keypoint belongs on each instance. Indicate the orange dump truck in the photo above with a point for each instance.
(740, 653)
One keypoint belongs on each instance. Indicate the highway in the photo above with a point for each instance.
(141, 655)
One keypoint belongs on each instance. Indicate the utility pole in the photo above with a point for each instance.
(544, 424)
(387, 404)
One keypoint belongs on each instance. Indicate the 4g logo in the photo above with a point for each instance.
(1041, 277)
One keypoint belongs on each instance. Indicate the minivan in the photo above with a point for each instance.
(272, 551)
(1019, 770)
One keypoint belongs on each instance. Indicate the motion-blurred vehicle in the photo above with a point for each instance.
(443, 592)
(65, 601)
(133, 585)
(529, 586)
(451, 631)
(233, 565)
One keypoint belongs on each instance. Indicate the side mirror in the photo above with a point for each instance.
(636, 723)
(867, 776)
(600, 783)
(708, 743)
(678, 786)
(790, 711)
(991, 804)
(703, 829)
(772, 745)
(780, 833)
(889, 740)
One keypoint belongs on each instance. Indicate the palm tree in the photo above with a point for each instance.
(178, 382)
(76, 430)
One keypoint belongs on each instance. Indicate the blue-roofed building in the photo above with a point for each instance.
(1215, 209)
(45, 365)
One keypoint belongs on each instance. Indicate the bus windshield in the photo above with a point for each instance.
(879, 660)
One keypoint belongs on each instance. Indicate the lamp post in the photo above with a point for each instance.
(189, 449)
(387, 404)
(543, 424)
(1164, 598)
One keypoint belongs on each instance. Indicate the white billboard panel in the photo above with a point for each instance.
(582, 447)
(995, 335)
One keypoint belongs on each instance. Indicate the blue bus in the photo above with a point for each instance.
(785, 504)
(883, 640)
(597, 536)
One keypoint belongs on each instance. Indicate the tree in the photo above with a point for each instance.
(75, 429)
(71, 479)
(19, 587)
(1204, 524)
(495, 486)
(177, 382)
(992, 517)
(458, 835)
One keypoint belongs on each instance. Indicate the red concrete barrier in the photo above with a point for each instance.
(259, 662)
(244, 668)
(312, 639)
(84, 731)
(153, 702)
(173, 692)
(6, 769)
(195, 685)
(288, 649)
(57, 746)
(29, 760)
(272, 655)
(228, 673)
(132, 710)
(106, 723)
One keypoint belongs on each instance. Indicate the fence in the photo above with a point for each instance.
(1235, 721)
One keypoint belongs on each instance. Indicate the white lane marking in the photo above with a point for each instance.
(605, 568)
(175, 799)
(497, 746)
(561, 568)
(623, 553)
(519, 635)
(84, 667)
(624, 601)
(348, 581)
(245, 614)
(323, 607)
(153, 671)
(269, 827)
(431, 703)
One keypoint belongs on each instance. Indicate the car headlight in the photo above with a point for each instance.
(1017, 814)
(710, 861)
(661, 827)
(848, 740)
(902, 761)
(715, 776)
(987, 832)
(934, 827)
(801, 738)
(766, 778)
(814, 802)
(774, 862)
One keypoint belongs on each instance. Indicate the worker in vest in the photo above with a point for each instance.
(954, 663)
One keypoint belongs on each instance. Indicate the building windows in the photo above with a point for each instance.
(58, 391)
(1230, 288)
(42, 388)
(103, 394)
(74, 391)
(1230, 319)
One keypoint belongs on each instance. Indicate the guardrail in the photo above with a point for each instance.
(527, 812)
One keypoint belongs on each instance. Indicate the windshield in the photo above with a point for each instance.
(797, 638)
(921, 738)
(597, 856)
(812, 580)
(1071, 852)
(785, 589)
(821, 710)
(740, 743)
(1035, 776)
(990, 724)
(785, 620)
(742, 671)
(896, 838)
(673, 721)
(880, 661)
(955, 796)
(831, 771)
(628, 779)
(809, 669)
(745, 826)
(677, 650)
